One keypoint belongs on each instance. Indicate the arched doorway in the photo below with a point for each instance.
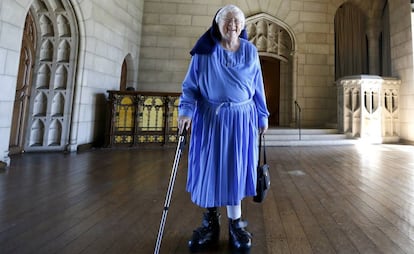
(275, 44)
(123, 81)
(23, 87)
(369, 36)
(47, 124)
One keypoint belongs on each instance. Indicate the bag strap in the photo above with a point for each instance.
(264, 149)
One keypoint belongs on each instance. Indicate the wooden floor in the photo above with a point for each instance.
(332, 199)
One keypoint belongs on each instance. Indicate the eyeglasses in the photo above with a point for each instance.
(230, 20)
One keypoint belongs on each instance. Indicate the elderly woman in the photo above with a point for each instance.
(223, 100)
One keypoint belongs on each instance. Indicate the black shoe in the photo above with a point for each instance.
(240, 239)
(206, 236)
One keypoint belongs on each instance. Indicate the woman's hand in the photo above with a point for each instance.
(262, 130)
(183, 122)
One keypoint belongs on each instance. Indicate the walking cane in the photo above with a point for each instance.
(180, 147)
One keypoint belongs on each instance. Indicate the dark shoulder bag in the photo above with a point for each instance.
(263, 177)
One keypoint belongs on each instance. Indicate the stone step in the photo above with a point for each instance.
(306, 137)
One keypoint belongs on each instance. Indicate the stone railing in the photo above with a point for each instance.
(368, 108)
(136, 118)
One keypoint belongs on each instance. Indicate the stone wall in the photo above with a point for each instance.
(401, 25)
(111, 31)
(172, 27)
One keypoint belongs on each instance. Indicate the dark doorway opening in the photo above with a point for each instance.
(271, 79)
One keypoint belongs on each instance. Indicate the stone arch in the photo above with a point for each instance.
(276, 44)
(273, 23)
(127, 72)
(372, 9)
(54, 74)
(370, 21)
(24, 83)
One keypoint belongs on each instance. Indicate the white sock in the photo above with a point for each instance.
(234, 211)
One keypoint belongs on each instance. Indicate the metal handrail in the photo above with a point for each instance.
(297, 119)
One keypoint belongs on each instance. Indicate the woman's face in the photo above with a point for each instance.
(230, 27)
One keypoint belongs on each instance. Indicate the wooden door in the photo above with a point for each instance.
(23, 87)
(271, 79)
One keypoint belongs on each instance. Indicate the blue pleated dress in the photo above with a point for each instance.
(223, 94)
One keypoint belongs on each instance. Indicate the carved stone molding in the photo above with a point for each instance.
(53, 79)
(271, 36)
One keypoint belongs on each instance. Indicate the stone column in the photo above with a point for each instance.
(294, 85)
(373, 33)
